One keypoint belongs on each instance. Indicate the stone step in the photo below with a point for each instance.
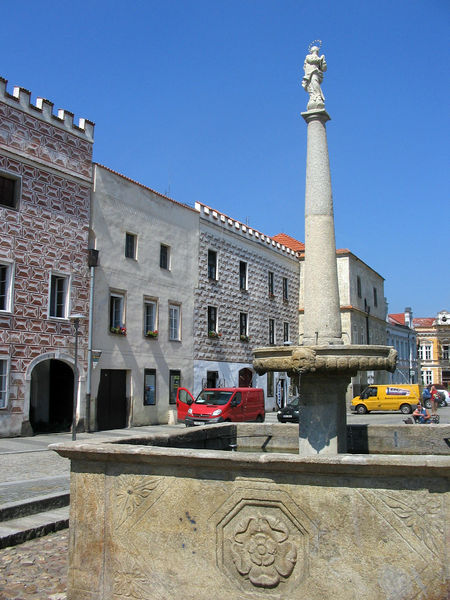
(18, 530)
(31, 506)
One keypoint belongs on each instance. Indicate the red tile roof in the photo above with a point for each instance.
(426, 322)
(290, 242)
(397, 319)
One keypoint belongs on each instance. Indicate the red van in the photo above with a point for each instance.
(216, 405)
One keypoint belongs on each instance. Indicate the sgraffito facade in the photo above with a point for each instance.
(45, 183)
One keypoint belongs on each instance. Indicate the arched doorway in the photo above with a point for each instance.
(245, 378)
(51, 396)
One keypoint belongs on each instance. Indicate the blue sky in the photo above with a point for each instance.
(201, 100)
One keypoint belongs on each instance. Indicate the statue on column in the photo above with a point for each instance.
(314, 68)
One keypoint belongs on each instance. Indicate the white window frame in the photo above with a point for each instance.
(427, 377)
(427, 351)
(121, 297)
(216, 264)
(154, 303)
(66, 278)
(17, 189)
(169, 257)
(133, 236)
(9, 283)
(243, 281)
(174, 325)
(4, 380)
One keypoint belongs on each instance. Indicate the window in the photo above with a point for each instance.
(174, 384)
(58, 296)
(212, 264)
(116, 312)
(425, 352)
(445, 351)
(9, 190)
(174, 322)
(358, 286)
(150, 317)
(212, 377)
(149, 387)
(271, 331)
(427, 377)
(130, 245)
(375, 297)
(242, 275)
(164, 257)
(243, 325)
(285, 289)
(285, 332)
(3, 382)
(270, 387)
(5, 287)
(212, 319)
(271, 293)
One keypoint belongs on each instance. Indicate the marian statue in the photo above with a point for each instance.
(314, 68)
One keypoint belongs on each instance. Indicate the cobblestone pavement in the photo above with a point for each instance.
(35, 570)
(30, 465)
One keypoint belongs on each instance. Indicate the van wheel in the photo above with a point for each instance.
(259, 419)
(406, 409)
(442, 403)
(361, 409)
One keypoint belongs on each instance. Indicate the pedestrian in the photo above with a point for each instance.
(435, 398)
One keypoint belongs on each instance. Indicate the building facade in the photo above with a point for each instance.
(143, 302)
(401, 335)
(247, 297)
(433, 348)
(45, 183)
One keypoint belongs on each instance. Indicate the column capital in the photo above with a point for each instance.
(316, 114)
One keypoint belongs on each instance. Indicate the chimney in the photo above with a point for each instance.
(408, 317)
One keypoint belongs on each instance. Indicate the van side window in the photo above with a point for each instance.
(237, 398)
(368, 393)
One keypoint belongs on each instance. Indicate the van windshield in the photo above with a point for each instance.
(213, 397)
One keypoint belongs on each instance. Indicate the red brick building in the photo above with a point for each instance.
(45, 184)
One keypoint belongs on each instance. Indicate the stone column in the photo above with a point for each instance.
(322, 317)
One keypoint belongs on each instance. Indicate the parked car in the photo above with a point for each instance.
(290, 413)
(403, 397)
(217, 405)
(443, 394)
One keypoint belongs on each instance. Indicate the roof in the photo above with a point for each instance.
(424, 322)
(397, 319)
(289, 241)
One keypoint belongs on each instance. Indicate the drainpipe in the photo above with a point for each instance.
(92, 262)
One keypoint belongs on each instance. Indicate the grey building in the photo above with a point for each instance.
(401, 335)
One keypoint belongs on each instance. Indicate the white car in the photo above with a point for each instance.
(444, 401)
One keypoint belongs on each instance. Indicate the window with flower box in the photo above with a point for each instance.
(117, 313)
(212, 322)
(150, 318)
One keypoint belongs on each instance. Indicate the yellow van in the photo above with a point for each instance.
(403, 397)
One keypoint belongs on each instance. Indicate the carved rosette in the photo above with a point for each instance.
(262, 551)
(131, 491)
(262, 542)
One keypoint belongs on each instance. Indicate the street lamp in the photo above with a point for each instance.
(76, 323)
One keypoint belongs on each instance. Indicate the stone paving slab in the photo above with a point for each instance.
(35, 570)
(14, 491)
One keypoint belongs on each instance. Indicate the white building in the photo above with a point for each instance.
(401, 335)
(143, 302)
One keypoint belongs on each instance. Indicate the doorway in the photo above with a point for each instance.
(112, 400)
(51, 397)
(245, 378)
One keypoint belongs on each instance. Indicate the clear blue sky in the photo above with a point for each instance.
(201, 100)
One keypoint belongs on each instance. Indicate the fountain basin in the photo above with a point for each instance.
(155, 519)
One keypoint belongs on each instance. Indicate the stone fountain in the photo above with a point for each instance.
(167, 517)
(324, 364)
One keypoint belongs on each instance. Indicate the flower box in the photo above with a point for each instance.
(214, 334)
(244, 338)
(118, 330)
(152, 334)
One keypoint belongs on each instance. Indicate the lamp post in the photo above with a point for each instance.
(76, 323)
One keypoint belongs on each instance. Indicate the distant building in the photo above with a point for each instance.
(401, 335)
(247, 297)
(45, 184)
(433, 342)
(143, 302)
